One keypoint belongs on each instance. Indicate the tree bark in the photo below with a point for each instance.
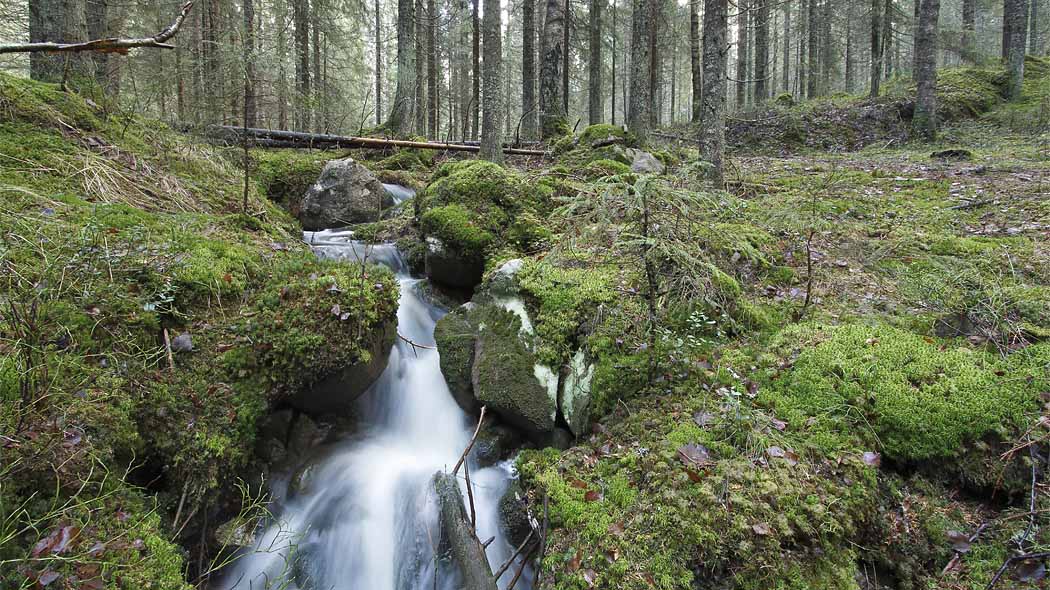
(887, 39)
(969, 18)
(761, 50)
(712, 121)
(695, 66)
(876, 48)
(421, 78)
(565, 57)
(552, 109)
(432, 70)
(742, 51)
(639, 105)
(250, 106)
(1017, 17)
(467, 551)
(1035, 42)
(402, 114)
(825, 47)
(379, 63)
(786, 73)
(612, 84)
(925, 119)
(57, 21)
(851, 51)
(529, 108)
(654, 95)
(813, 61)
(492, 111)
(317, 104)
(475, 103)
(301, 18)
(596, 106)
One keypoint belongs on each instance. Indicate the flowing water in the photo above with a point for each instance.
(366, 518)
(399, 193)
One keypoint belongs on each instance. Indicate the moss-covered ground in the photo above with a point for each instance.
(151, 314)
(831, 373)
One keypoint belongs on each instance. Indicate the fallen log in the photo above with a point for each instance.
(467, 552)
(281, 138)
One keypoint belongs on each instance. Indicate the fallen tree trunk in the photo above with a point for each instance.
(280, 138)
(110, 45)
(467, 551)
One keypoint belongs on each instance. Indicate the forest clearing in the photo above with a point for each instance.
(564, 295)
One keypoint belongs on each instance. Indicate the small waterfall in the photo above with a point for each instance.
(368, 519)
(399, 193)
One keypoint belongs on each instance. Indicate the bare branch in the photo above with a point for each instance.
(110, 45)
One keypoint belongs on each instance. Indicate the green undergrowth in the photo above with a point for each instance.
(148, 322)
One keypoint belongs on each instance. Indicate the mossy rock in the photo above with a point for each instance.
(601, 168)
(605, 134)
(454, 335)
(285, 175)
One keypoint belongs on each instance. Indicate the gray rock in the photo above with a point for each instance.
(514, 514)
(182, 343)
(454, 335)
(304, 435)
(345, 193)
(335, 394)
(560, 439)
(495, 442)
(644, 163)
(574, 396)
(236, 532)
(448, 268)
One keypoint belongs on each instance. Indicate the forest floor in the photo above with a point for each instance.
(889, 433)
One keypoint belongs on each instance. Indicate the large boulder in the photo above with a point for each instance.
(336, 394)
(452, 267)
(345, 193)
(487, 350)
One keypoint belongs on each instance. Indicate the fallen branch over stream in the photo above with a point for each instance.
(296, 139)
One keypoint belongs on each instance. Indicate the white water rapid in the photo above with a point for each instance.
(367, 518)
(399, 193)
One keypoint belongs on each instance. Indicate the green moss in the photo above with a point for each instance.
(285, 175)
(899, 391)
(411, 160)
(604, 131)
(458, 229)
(600, 168)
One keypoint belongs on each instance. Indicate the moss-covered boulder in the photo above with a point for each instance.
(603, 134)
(470, 210)
(345, 193)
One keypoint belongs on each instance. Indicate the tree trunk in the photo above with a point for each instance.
(654, 94)
(925, 119)
(1035, 42)
(492, 111)
(317, 104)
(282, 70)
(639, 105)
(695, 66)
(786, 73)
(62, 21)
(825, 48)
(432, 71)
(712, 120)
(761, 50)
(552, 108)
(402, 114)
(379, 63)
(1017, 17)
(565, 57)
(421, 78)
(887, 38)
(301, 17)
(742, 51)
(475, 101)
(615, 34)
(529, 108)
(813, 61)
(851, 51)
(596, 106)
(250, 107)
(876, 47)
(969, 18)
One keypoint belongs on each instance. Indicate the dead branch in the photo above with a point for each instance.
(506, 564)
(521, 568)
(110, 45)
(470, 499)
(414, 344)
(470, 445)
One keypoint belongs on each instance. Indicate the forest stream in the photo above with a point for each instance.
(366, 516)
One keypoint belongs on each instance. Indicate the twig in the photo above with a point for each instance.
(167, 349)
(470, 500)
(506, 564)
(415, 345)
(543, 539)
(521, 568)
(1010, 560)
(958, 554)
(470, 445)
